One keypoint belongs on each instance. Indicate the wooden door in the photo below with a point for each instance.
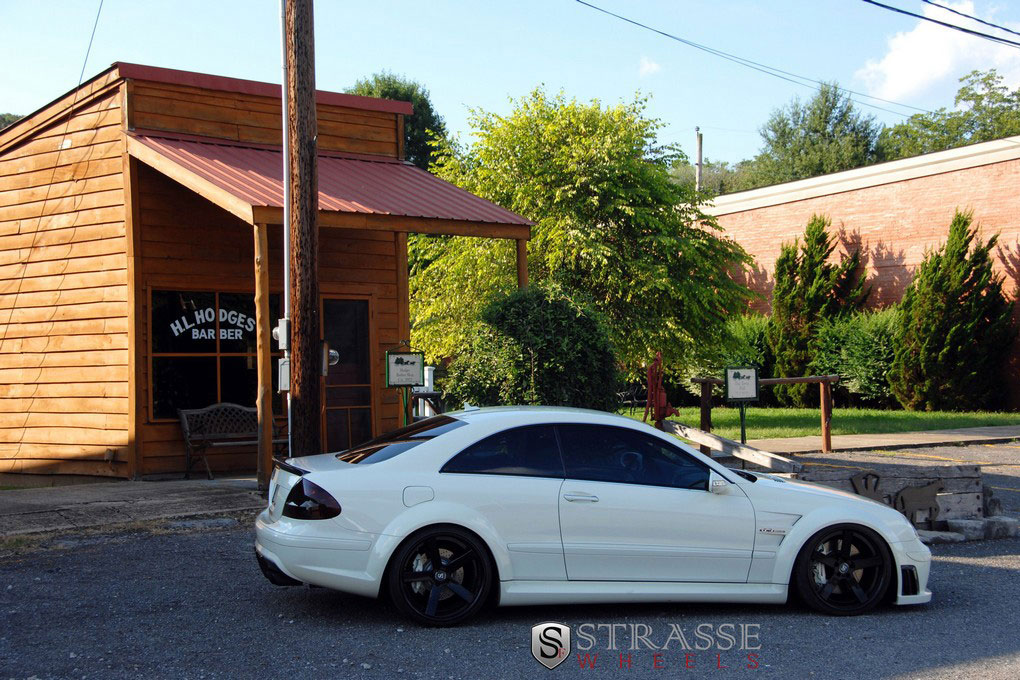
(347, 388)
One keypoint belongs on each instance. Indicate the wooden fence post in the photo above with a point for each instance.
(706, 412)
(825, 388)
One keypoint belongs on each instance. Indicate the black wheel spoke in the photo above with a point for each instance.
(827, 560)
(432, 552)
(857, 591)
(461, 591)
(845, 543)
(458, 561)
(827, 589)
(867, 562)
(415, 576)
(433, 603)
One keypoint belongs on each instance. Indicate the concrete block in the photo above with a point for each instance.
(936, 537)
(1001, 527)
(972, 529)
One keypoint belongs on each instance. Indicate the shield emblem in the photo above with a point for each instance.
(550, 643)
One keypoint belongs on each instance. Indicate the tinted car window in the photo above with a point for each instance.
(616, 454)
(394, 443)
(527, 451)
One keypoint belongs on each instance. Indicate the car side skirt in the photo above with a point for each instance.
(515, 593)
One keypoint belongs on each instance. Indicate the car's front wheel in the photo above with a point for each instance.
(843, 570)
(441, 576)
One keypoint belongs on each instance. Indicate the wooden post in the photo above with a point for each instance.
(706, 411)
(826, 399)
(522, 263)
(264, 394)
(305, 355)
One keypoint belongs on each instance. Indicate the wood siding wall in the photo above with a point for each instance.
(188, 243)
(63, 291)
(255, 119)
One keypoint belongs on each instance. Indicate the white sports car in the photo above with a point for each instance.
(518, 505)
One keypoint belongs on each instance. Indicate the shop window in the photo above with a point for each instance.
(203, 350)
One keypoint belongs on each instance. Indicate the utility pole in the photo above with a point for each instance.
(697, 166)
(301, 129)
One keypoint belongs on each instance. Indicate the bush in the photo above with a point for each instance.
(860, 349)
(746, 344)
(535, 346)
(808, 290)
(954, 328)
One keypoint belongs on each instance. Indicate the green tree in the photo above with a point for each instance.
(612, 229)
(717, 177)
(954, 328)
(8, 118)
(536, 346)
(826, 134)
(422, 126)
(808, 289)
(985, 109)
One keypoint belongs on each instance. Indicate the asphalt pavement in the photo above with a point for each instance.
(188, 601)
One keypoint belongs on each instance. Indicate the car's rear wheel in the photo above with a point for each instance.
(843, 570)
(440, 576)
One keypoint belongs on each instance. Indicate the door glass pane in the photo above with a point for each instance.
(338, 430)
(183, 322)
(345, 328)
(348, 396)
(182, 382)
(616, 454)
(528, 451)
(361, 425)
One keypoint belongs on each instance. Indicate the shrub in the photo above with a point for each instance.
(954, 328)
(809, 289)
(746, 344)
(535, 346)
(860, 349)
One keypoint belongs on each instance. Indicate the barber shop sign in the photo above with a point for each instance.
(233, 324)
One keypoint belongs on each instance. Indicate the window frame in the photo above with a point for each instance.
(556, 438)
(634, 432)
(217, 355)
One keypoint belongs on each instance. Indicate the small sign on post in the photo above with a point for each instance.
(405, 370)
(741, 386)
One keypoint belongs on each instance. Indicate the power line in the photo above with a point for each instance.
(969, 31)
(757, 66)
(972, 18)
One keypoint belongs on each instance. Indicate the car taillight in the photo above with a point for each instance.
(310, 501)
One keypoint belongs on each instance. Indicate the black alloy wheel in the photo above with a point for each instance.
(440, 576)
(843, 570)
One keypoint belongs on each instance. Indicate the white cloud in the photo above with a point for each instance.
(929, 54)
(648, 67)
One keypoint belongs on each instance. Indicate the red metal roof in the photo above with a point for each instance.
(347, 183)
(210, 82)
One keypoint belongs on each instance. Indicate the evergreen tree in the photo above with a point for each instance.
(808, 289)
(954, 328)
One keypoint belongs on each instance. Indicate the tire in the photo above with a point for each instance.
(843, 570)
(448, 595)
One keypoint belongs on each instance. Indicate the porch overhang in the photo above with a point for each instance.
(355, 191)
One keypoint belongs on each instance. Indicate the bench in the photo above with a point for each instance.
(220, 425)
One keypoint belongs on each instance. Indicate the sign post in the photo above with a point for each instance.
(405, 370)
(741, 387)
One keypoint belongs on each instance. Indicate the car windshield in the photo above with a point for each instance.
(397, 442)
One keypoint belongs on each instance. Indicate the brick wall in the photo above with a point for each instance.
(894, 223)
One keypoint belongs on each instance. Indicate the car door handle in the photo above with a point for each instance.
(580, 498)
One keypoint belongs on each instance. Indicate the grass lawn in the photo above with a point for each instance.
(774, 423)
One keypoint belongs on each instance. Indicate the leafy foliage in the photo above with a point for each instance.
(985, 109)
(746, 344)
(954, 328)
(612, 230)
(8, 118)
(859, 348)
(535, 346)
(826, 134)
(808, 289)
(717, 177)
(422, 126)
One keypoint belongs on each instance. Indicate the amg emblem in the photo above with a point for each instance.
(550, 643)
(772, 530)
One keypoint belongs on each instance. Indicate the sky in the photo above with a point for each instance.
(481, 54)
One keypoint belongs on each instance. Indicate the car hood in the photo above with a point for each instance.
(779, 487)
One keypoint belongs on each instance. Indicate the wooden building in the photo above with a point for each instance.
(131, 209)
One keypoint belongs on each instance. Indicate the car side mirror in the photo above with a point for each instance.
(716, 484)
